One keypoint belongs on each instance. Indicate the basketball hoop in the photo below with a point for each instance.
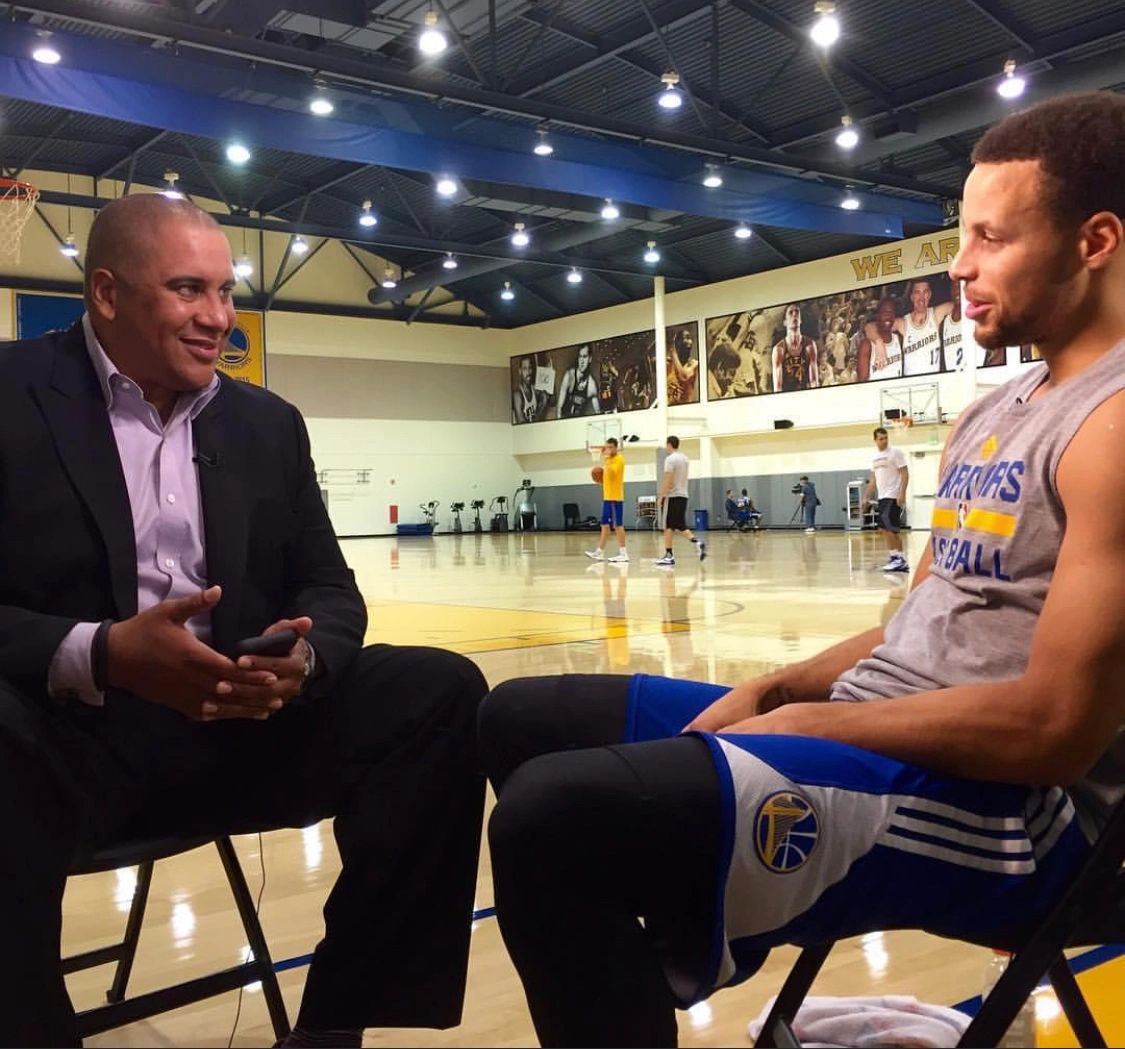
(17, 203)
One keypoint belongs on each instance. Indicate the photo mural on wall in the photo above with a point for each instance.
(905, 328)
(604, 376)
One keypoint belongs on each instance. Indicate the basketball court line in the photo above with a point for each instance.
(471, 629)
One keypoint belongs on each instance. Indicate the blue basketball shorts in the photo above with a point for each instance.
(613, 513)
(823, 840)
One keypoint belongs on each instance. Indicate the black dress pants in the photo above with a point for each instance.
(391, 754)
(605, 860)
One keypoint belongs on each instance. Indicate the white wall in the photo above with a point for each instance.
(832, 426)
(469, 451)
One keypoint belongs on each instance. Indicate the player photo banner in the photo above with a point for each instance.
(604, 376)
(887, 331)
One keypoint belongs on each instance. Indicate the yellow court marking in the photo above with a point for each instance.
(469, 628)
(1101, 987)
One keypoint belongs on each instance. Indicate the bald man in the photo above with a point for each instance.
(153, 513)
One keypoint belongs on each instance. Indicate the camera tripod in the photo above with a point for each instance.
(797, 511)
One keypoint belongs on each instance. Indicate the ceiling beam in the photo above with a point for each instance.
(960, 81)
(440, 88)
(625, 35)
(1006, 23)
(376, 238)
(834, 59)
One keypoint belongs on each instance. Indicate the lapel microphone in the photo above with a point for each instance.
(205, 459)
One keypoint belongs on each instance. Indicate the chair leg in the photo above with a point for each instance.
(116, 992)
(254, 935)
(1074, 1005)
(777, 1031)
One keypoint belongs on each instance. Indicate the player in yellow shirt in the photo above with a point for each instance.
(613, 503)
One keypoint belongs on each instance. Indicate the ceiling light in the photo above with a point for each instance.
(850, 202)
(445, 186)
(449, 262)
(671, 97)
(574, 277)
(712, 179)
(848, 137)
(652, 255)
(320, 104)
(432, 41)
(388, 280)
(69, 247)
(300, 246)
(543, 148)
(610, 211)
(45, 52)
(243, 267)
(1011, 86)
(367, 217)
(237, 153)
(520, 238)
(170, 191)
(826, 29)
(743, 232)
(507, 294)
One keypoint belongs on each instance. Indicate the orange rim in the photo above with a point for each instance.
(14, 187)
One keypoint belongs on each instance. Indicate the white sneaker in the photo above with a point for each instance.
(618, 559)
(594, 555)
(810, 531)
(665, 560)
(896, 564)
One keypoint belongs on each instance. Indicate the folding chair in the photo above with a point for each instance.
(120, 1010)
(1092, 911)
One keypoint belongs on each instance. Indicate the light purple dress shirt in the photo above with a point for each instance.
(163, 485)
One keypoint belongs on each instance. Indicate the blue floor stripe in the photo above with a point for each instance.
(970, 1006)
(1079, 964)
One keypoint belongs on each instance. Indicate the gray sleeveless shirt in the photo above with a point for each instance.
(997, 526)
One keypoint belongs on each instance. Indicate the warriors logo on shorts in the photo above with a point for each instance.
(785, 832)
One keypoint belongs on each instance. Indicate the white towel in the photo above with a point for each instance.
(892, 1020)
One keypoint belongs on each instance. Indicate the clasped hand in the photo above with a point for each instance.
(154, 656)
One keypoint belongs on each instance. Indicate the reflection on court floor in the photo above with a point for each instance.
(533, 604)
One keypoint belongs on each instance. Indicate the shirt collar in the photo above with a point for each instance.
(110, 377)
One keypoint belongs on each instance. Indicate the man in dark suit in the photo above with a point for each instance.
(152, 514)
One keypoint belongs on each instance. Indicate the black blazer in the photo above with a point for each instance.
(67, 551)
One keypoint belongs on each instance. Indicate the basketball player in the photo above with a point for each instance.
(613, 504)
(953, 356)
(578, 391)
(887, 482)
(673, 500)
(683, 369)
(880, 350)
(964, 755)
(722, 363)
(794, 358)
(952, 350)
(529, 405)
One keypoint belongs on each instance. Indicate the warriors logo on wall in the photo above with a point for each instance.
(884, 332)
(604, 376)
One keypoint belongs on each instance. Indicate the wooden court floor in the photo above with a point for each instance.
(524, 605)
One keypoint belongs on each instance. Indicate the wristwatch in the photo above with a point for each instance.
(310, 664)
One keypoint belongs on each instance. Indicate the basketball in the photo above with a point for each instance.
(596, 474)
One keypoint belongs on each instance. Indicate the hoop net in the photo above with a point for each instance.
(17, 203)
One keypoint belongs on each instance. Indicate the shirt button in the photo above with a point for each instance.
(169, 563)
(171, 498)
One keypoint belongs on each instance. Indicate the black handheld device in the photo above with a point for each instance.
(278, 644)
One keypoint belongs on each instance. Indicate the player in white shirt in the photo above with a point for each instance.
(921, 337)
(887, 481)
(880, 352)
